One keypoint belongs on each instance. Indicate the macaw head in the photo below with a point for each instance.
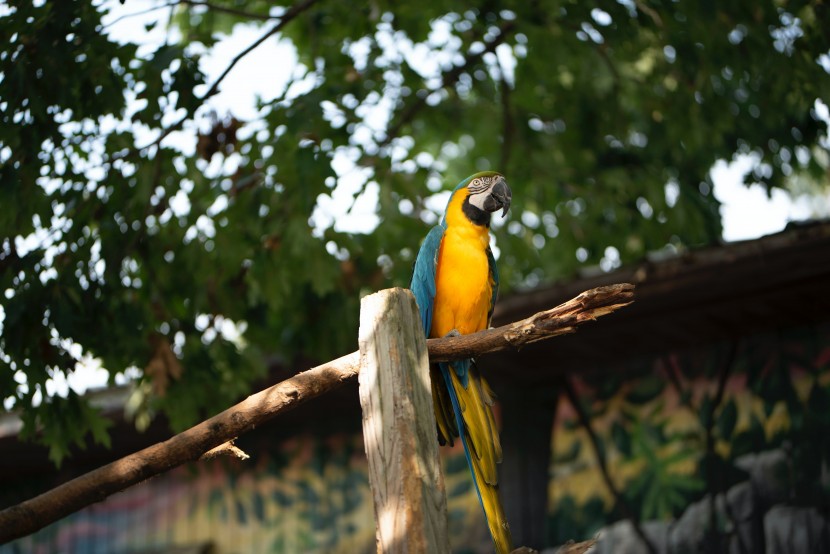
(480, 195)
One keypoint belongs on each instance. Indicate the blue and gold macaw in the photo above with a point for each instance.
(455, 283)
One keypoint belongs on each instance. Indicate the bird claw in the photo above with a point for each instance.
(453, 333)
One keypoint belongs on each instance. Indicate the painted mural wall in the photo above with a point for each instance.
(745, 421)
(310, 495)
(672, 429)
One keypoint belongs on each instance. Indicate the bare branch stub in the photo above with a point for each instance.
(225, 449)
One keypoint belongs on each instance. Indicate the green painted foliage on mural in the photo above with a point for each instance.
(714, 407)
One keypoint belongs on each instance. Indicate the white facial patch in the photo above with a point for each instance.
(479, 188)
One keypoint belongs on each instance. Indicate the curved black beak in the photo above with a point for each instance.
(499, 198)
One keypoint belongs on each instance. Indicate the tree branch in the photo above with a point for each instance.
(289, 15)
(227, 10)
(448, 80)
(286, 18)
(508, 125)
(649, 11)
(31, 515)
(136, 14)
(560, 320)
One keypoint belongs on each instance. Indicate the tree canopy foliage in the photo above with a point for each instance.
(140, 228)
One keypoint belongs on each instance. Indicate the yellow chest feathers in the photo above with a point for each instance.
(463, 287)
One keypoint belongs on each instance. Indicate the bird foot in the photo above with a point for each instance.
(453, 333)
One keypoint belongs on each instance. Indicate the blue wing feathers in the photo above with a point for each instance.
(423, 287)
(423, 276)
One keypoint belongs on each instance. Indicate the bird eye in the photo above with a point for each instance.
(479, 184)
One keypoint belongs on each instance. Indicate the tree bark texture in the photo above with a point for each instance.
(399, 426)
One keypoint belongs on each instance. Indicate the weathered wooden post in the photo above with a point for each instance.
(399, 426)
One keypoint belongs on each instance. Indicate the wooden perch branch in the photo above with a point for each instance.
(560, 320)
(94, 486)
(31, 515)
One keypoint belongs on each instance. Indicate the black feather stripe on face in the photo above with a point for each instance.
(475, 214)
